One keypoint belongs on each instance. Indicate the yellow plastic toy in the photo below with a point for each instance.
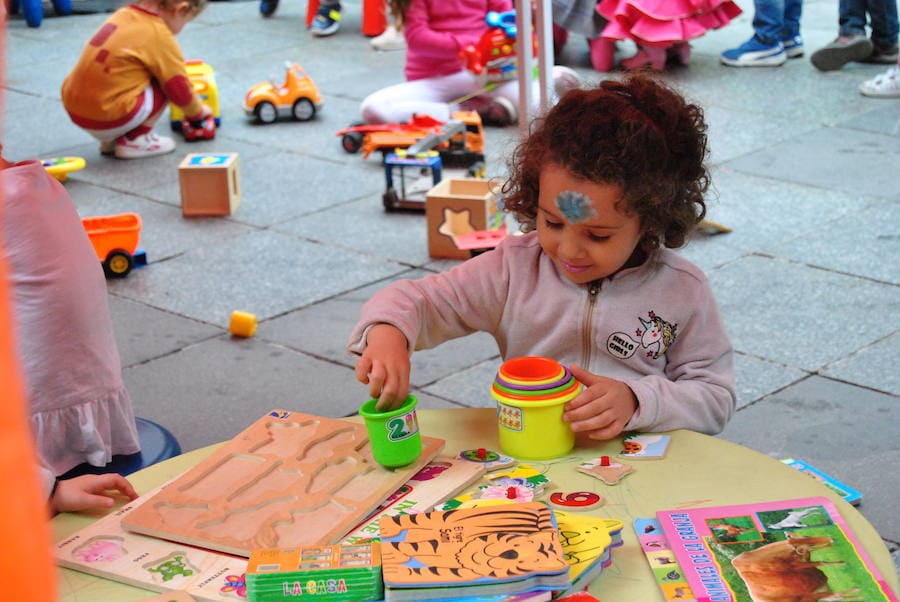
(243, 324)
(203, 80)
(59, 167)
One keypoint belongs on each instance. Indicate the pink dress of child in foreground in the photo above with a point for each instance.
(661, 28)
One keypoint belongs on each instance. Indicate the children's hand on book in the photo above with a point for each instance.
(384, 366)
(603, 407)
(89, 492)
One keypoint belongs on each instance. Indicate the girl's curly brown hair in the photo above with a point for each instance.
(637, 133)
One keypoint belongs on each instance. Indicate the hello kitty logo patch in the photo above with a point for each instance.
(655, 336)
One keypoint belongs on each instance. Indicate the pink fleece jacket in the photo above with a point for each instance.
(656, 327)
(436, 30)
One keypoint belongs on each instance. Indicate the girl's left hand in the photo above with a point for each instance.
(89, 492)
(603, 407)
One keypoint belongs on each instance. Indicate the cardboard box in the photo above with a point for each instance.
(459, 206)
(209, 184)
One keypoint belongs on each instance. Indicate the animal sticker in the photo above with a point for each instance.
(100, 549)
(654, 336)
(642, 446)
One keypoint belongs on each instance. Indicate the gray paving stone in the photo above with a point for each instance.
(756, 378)
(800, 316)
(144, 333)
(849, 432)
(875, 232)
(264, 273)
(470, 387)
(874, 366)
(823, 158)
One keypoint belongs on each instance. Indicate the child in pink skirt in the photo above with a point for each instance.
(661, 28)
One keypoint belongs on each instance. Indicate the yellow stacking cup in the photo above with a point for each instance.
(531, 426)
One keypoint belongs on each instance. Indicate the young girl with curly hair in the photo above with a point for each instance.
(609, 181)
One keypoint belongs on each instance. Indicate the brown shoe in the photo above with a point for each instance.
(842, 51)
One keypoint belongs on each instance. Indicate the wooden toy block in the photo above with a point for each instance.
(455, 207)
(209, 184)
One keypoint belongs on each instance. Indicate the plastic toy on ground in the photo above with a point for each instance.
(203, 80)
(204, 129)
(115, 239)
(410, 173)
(298, 97)
(243, 324)
(34, 10)
(60, 167)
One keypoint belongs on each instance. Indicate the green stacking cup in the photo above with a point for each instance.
(393, 435)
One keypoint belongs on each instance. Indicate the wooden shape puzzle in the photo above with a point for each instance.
(104, 549)
(607, 470)
(209, 184)
(287, 480)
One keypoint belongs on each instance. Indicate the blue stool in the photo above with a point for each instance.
(34, 11)
(157, 444)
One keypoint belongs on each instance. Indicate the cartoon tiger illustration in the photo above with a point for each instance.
(493, 542)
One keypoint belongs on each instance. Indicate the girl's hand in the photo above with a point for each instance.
(384, 366)
(603, 407)
(89, 492)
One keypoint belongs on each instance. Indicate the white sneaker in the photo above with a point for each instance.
(108, 147)
(146, 145)
(564, 79)
(885, 85)
(391, 39)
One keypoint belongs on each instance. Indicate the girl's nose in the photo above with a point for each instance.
(569, 247)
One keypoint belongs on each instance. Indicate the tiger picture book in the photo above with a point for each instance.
(482, 551)
(783, 550)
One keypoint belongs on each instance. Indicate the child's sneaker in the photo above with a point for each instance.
(327, 21)
(886, 54)
(793, 47)
(390, 39)
(841, 51)
(885, 85)
(108, 147)
(500, 112)
(755, 53)
(145, 145)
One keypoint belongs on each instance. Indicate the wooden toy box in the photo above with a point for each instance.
(209, 184)
(458, 206)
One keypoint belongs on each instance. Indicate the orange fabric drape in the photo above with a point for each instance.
(26, 562)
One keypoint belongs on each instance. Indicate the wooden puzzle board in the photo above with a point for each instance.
(105, 549)
(287, 480)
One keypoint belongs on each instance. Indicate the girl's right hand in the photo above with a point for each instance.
(384, 366)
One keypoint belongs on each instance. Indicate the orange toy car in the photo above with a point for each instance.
(115, 240)
(297, 97)
(389, 136)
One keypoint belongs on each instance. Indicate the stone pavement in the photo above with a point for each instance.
(804, 171)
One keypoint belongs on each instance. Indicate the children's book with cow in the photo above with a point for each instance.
(783, 550)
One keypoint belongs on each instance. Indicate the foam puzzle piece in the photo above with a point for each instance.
(607, 470)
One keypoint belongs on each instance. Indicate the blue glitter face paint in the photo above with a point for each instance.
(575, 206)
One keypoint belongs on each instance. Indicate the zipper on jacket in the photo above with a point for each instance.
(587, 325)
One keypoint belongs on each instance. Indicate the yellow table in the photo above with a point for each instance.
(698, 470)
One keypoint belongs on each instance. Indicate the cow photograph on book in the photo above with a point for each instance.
(800, 550)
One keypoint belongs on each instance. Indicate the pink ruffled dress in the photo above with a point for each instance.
(80, 409)
(662, 23)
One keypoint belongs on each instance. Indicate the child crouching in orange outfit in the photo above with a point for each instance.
(127, 72)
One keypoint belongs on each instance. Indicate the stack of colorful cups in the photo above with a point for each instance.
(531, 393)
